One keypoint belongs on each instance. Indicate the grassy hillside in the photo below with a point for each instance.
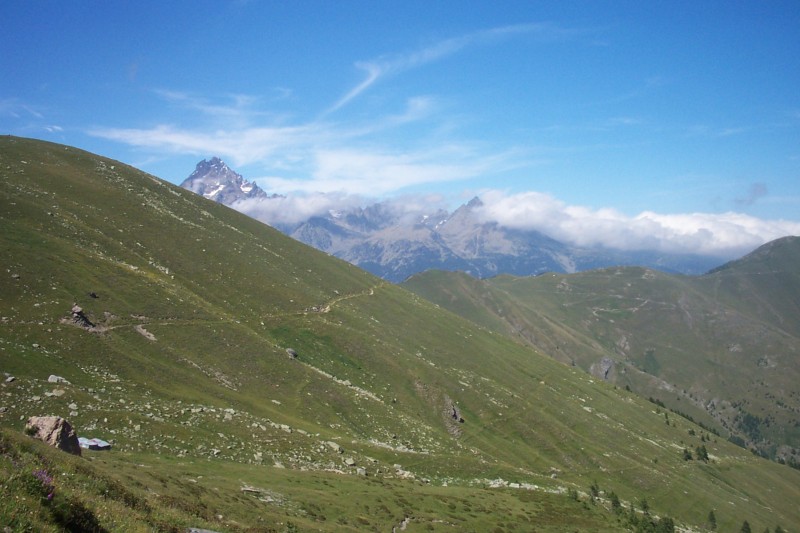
(764, 284)
(214, 424)
(721, 348)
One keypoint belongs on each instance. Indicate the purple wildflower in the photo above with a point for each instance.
(47, 482)
(43, 476)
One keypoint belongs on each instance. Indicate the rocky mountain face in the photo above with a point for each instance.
(394, 243)
(216, 181)
(395, 247)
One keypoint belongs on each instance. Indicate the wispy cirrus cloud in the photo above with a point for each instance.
(324, 164)
(385, 66)
(240, 146)
(357, 156)
(231, 110)
(376, 172)
(27, 117)
(237, 102)
(16, 108)
(704, 130)
(319, 156)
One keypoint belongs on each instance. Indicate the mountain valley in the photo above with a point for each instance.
(248, 382)
(722, 348)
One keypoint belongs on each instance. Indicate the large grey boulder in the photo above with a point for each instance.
(54, 431)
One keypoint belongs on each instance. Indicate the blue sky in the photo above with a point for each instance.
(630, 124)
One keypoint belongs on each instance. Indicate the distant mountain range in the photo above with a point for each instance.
(395, 243)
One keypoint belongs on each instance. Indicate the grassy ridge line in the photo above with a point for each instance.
(704, 346)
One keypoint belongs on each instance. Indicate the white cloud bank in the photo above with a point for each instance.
(289, 210)
(724, 235)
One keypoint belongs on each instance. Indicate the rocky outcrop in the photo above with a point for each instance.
(79, 318)
(603, 369)
(335, 446)
(54, 431)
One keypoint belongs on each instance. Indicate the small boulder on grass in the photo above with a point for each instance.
(54, 431)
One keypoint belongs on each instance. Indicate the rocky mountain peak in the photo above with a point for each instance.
(215, 180)
(475, 202)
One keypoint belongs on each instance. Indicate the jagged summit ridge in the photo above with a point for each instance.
(394, 243)
(215, 180)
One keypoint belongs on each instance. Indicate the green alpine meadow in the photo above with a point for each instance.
(247, 382)
(722, 348)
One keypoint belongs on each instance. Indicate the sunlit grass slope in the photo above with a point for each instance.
(722, 348)
(249, 382)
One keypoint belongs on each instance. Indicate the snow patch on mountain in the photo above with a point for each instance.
(212, 194)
